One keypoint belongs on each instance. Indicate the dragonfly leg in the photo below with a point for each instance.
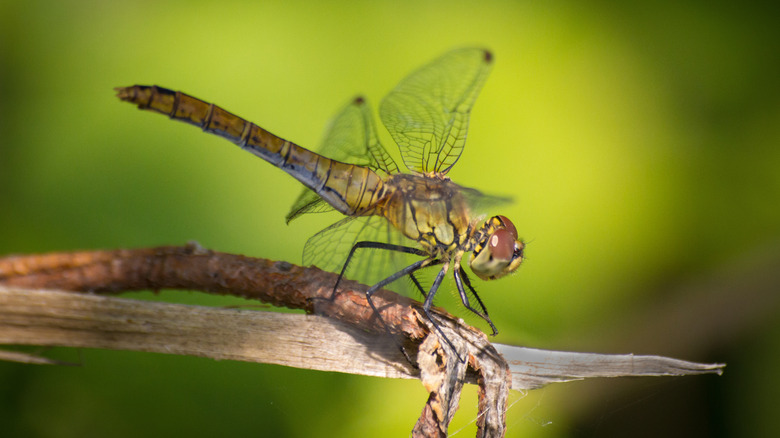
(406, 271)
(460, 279)
(427, 309)
(375, 245)
(418, 285)
(409, 270)
(402, 273)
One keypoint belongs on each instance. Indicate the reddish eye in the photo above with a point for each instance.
(508, 225)
(502, 244)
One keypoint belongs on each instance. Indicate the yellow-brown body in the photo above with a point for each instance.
(429, 209)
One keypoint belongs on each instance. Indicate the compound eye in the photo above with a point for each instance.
(508, 225)
(502, 244)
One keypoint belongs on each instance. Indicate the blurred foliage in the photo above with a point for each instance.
(639, 140)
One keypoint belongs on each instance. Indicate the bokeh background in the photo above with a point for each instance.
(640, 141)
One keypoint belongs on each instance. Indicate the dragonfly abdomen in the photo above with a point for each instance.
(350, 189)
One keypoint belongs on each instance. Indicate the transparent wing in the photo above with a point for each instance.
(480, 203)
(329, 248)
(307, 202)
(428, 112)
(350, 138)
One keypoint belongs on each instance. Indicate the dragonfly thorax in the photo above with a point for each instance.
(429, 209)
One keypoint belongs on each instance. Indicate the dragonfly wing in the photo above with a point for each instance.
(350, 138)
(369, 146)
(427, 114)
(481, 203)
(308, 202)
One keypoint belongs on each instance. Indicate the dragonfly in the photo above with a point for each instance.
(426, 214)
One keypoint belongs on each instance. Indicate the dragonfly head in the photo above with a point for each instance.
(499, 252)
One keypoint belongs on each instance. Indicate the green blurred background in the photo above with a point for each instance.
(641, 144)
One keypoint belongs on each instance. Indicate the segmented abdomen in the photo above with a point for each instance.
(350, 189)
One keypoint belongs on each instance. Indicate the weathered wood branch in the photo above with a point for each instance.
(349, 340)
(277, 283)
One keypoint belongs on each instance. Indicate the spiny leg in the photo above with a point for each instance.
(376, 245)
(403, 272)
(418, 285)
(460, 278)
(409, 270)
(427, 309)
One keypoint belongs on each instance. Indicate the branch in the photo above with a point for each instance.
(340, 334)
